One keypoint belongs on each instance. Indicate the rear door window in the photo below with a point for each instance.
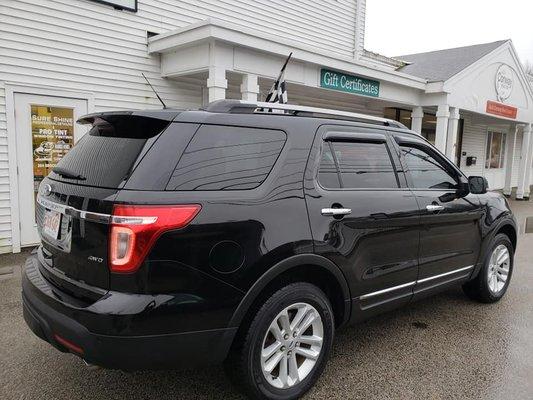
(361, 165)
(328, 174)
(227, 158)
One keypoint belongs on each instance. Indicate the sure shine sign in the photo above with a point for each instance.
(348, 83)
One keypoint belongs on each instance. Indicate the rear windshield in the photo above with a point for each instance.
(227, 158)
(105, 156)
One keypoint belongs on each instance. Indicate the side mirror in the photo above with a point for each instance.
(478, 184)
(463, 188)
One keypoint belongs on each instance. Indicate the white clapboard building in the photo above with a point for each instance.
(60, 59)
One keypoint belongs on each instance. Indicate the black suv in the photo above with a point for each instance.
(247, 235)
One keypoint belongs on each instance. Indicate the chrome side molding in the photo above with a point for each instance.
(430, 278)
(368, 295)
(405, 285)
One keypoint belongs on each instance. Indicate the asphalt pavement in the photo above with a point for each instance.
(444, 347)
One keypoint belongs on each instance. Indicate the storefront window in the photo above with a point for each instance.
(429, 127)
(397, 114)
(495, 151)
(429, 122)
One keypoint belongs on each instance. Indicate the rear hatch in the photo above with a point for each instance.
(76, 199)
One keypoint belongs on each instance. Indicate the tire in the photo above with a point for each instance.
(482, 288)
(245, 366)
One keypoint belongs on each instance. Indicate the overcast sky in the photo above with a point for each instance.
(413, 26)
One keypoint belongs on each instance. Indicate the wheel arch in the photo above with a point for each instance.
(506, 226)
(508, 229)
(286, 271)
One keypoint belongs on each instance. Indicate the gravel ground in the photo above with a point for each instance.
(445, 347)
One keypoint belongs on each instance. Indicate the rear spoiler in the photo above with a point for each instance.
(163, 115)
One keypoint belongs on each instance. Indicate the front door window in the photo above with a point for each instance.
(495, 151)
(425, 171)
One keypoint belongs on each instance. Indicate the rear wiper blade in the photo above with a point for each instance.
(65, 173)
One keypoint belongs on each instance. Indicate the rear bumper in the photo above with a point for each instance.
(56, 322)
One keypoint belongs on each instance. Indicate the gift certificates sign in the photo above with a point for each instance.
(52, 132)
(348, 83)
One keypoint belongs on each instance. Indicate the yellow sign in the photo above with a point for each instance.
(52, 131)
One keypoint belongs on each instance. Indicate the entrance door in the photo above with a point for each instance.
(495, 159)
(45, 130)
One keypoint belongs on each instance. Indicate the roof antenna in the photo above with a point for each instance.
(162, 102)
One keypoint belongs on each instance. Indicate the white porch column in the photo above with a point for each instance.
(443, 114)
(416, 119)
(524, 161)
(451, 141)
(510, 146)
(217, 83)
(249, 87)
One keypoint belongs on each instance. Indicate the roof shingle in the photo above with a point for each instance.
(441, 65)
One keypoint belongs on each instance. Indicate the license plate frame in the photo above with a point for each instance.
(52, 224)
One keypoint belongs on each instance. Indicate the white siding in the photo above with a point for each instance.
(5, 211)
(474, 142)
(89, 47)
(474, 139)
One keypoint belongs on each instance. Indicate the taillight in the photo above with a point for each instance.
(134, 230)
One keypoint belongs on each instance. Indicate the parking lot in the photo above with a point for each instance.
(445, 347)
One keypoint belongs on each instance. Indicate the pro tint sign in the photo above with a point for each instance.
(501, 110)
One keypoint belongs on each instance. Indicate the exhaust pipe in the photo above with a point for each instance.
(91, 367)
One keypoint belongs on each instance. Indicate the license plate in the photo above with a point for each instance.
(51, 223)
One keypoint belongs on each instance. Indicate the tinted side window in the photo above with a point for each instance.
(426, 172)
(362, 165)
(328, 175)
(227, 158)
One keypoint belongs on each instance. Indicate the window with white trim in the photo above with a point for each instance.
(495, 150)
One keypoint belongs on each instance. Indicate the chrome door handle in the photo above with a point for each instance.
(336, 211)
(434, 207)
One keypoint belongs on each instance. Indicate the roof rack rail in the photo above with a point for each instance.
(241, 106)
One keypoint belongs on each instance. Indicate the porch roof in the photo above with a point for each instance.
(216, 31)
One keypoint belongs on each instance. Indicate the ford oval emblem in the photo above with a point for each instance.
(46, 190)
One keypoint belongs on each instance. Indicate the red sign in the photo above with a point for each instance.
(500, 109)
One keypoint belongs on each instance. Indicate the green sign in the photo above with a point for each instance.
(348, 83)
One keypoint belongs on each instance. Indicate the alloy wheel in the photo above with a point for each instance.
(498, 272)
(292, 345)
